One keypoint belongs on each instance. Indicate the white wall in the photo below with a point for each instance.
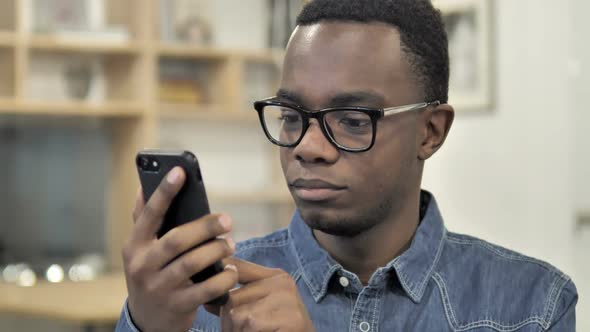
(581, 107)
(581, 75)
(508, 175)
(240, 24)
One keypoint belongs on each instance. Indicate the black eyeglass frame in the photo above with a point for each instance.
(373, 113)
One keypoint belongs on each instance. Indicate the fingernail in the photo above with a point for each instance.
(231, 267)
(174, 176)
(231, 243)
(225, 222)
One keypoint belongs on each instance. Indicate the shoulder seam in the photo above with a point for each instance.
(553, 297)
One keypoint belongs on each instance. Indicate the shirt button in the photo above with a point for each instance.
(364, 326)
(344, 282)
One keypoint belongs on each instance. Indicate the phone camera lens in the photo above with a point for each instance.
(144, 163)
(155, 166)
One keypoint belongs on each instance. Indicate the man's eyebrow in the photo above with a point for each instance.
(289, 96)
(342, 99)
(357, 97)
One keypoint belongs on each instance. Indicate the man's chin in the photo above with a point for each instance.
(332, 223)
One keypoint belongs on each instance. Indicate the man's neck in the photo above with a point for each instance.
(366, 252)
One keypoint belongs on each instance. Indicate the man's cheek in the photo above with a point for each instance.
(283, 154)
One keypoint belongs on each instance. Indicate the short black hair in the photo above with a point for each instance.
(422, 33)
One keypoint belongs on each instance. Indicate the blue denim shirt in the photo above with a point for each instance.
(442, 282)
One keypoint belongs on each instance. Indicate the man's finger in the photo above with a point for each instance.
(194, 261)
(153, 212)
(139, 204)
(250, 293)
(192, 297)
(188, 236)
(255, 316)
(250, 272)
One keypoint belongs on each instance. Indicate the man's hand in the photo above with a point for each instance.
(161, 295)
(268, 300)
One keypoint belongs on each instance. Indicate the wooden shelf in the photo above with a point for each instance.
(70, 108)
(52, 43)
(7, 39)
(92, 302)
(179, 50)
(6, 102)
(264, 56)
(205, 113)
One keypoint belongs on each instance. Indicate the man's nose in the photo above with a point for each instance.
(315, 147)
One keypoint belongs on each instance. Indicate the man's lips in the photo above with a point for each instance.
(315, 189)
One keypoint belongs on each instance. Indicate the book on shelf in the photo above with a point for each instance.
(183, 81)
(183, 91)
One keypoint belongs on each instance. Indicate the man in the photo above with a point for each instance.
(362, 105)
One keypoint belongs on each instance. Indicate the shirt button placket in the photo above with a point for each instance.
(366, 310)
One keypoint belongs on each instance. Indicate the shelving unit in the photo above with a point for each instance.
(131, 110)
(7, 39)
(56, 44)
(7, 73)
(70, 109)
(131, 106)
(212, 113)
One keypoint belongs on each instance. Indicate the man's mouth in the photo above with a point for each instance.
(315, 190)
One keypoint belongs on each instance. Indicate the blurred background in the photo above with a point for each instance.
(84, 84)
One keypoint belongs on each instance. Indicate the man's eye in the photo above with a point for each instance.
(289, 117)
(353, 122)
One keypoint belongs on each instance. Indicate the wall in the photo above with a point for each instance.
(250, 16)
(507, 174)
(581, 88)
(581, 93)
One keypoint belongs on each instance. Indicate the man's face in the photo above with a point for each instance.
(350, 64)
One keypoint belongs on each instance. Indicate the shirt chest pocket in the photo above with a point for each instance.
(487, 312)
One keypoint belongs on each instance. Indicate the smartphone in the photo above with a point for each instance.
(189, 204)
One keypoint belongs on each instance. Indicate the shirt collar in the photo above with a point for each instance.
(413, 267)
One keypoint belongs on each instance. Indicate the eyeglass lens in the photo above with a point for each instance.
(348, 128)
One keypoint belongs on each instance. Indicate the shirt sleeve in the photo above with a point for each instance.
(125, 323)
(564, 318)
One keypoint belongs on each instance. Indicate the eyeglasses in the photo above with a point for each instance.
(351, 129)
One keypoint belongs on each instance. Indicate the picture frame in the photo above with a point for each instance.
(469, 28)
(51, 16)
(72, 20)
(185, 21)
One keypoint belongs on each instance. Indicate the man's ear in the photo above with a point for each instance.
(437, 124)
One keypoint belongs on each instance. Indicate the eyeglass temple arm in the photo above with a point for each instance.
(406, 108)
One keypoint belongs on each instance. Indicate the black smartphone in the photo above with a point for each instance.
(189, 204)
